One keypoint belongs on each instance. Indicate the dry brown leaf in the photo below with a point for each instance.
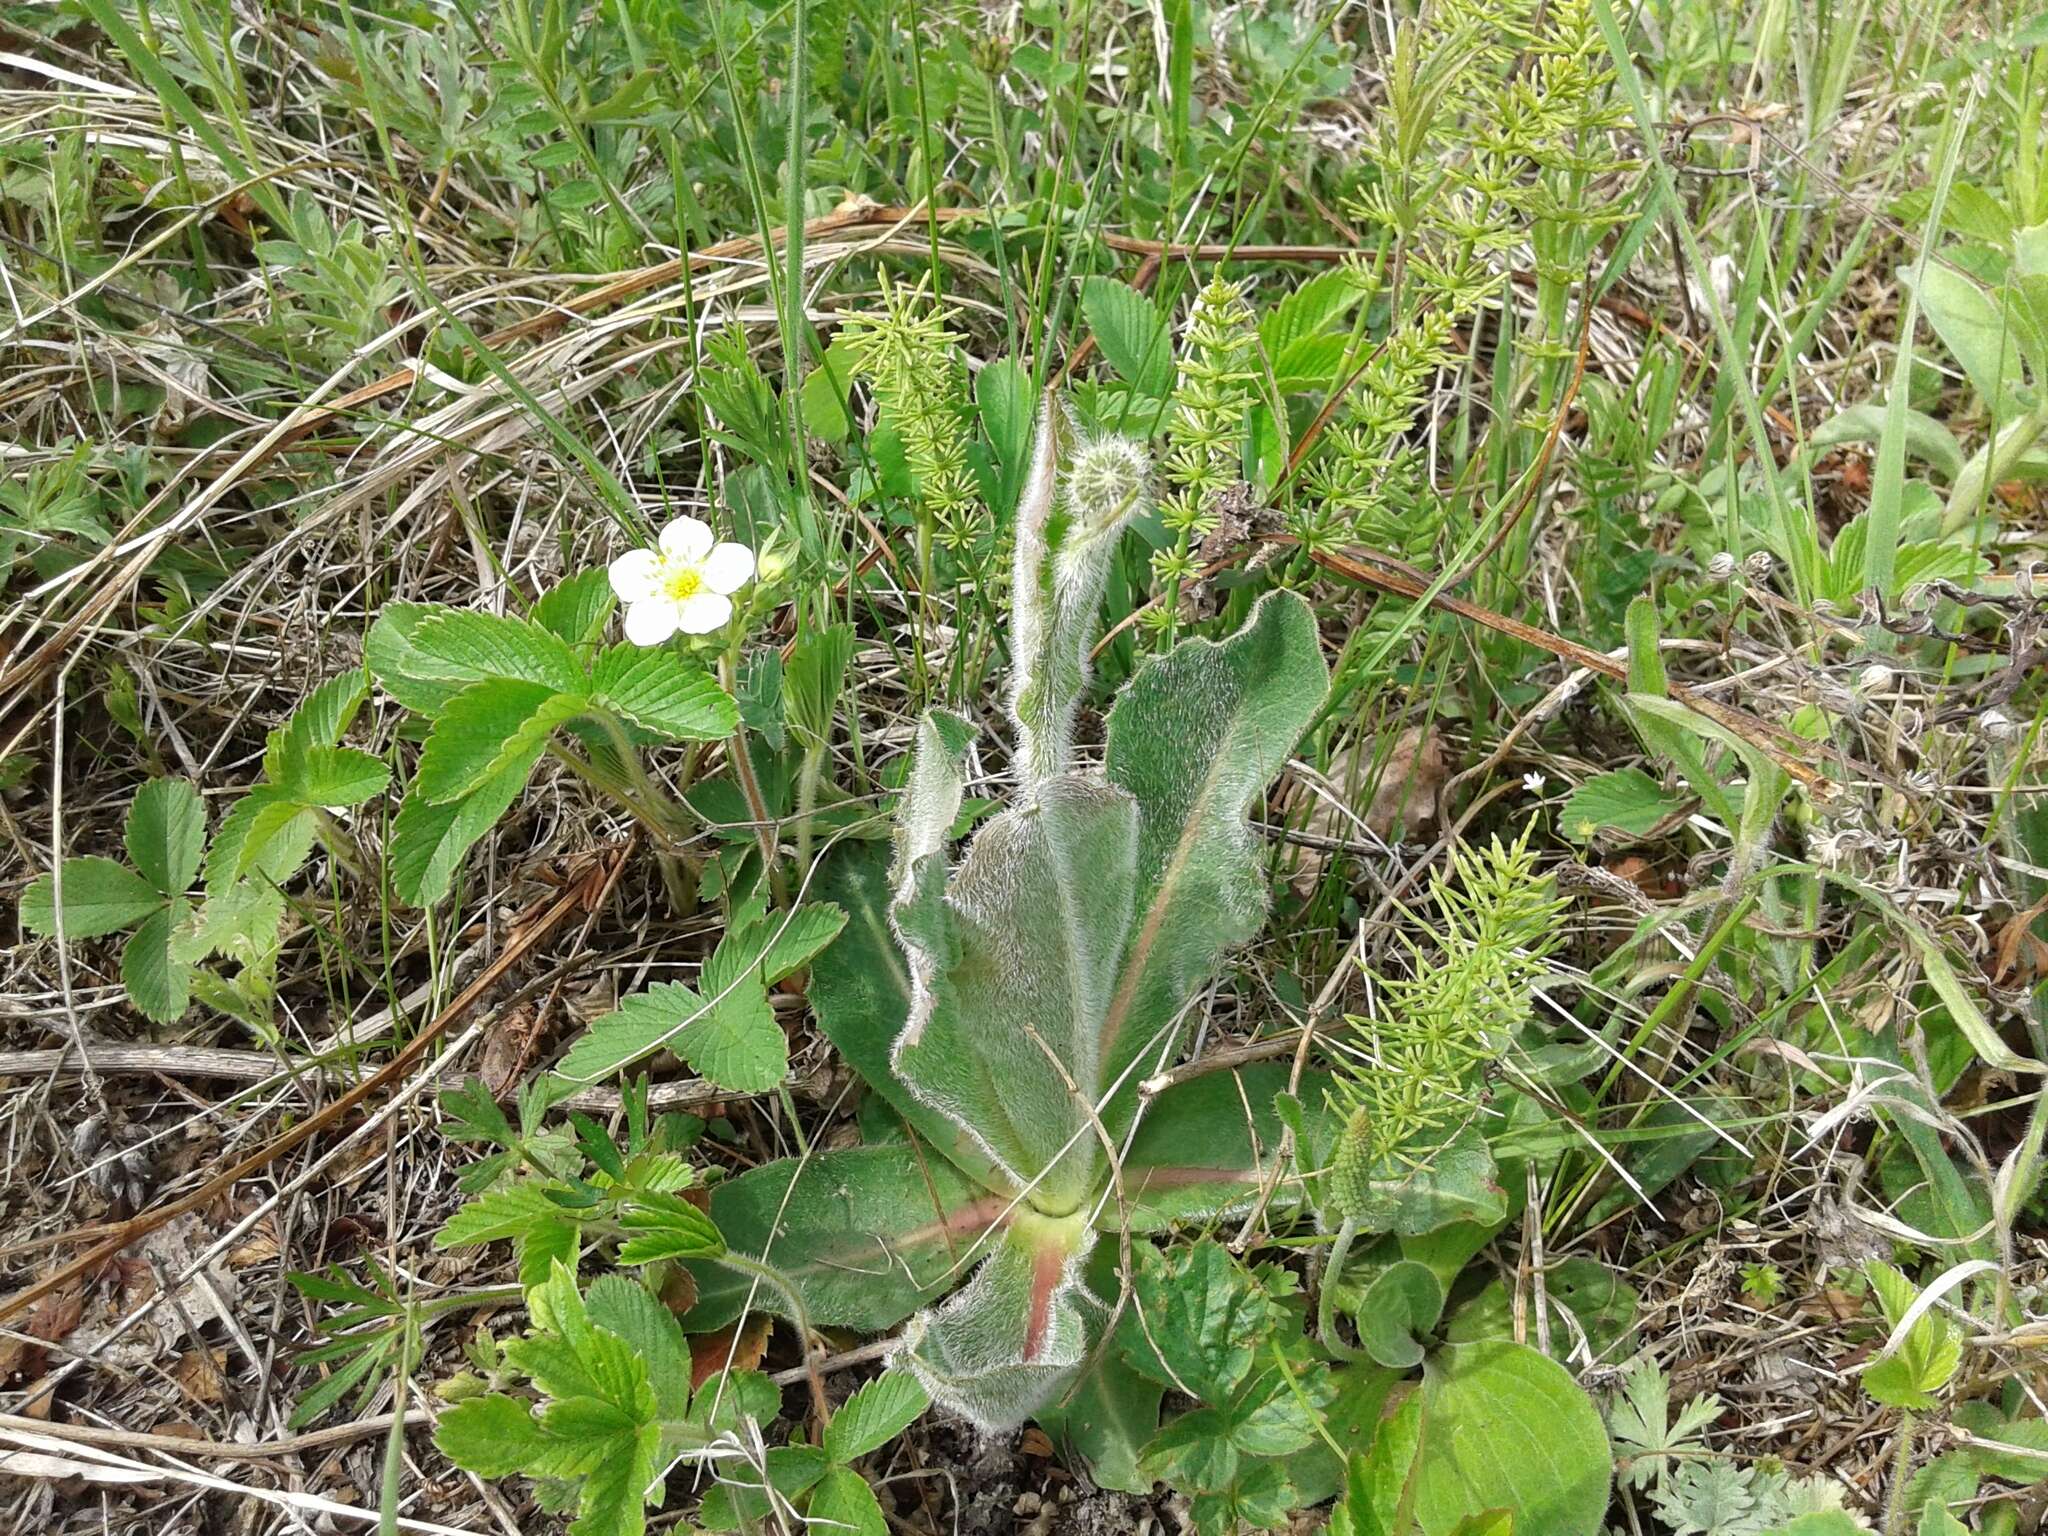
(1391, 787)
(740, 1345)
(259, 1247)
(679, 1291)
(52, 1319)
(201, 1374)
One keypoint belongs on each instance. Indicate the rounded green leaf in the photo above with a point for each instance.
(1400, 1306)
(1505, 1427)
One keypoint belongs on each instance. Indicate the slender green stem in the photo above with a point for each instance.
(773, 1278)
(1326, 1298)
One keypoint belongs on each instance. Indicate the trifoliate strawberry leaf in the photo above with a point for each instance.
(875, 1415)
(771, 944)
(166, 833)
(740, 1501)
(663, 692)
(1925, 1359)
(425, 654)
(730, 1039)
(99, 896)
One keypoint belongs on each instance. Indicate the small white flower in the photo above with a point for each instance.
(685, 585)
(1534, 782)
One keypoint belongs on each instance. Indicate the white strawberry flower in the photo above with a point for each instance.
(685, 585)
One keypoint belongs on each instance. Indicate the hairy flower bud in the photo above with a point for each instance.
(1110, 479)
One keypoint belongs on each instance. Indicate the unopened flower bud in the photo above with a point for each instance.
(1997, 725)
(1758, 567)
(1874, 678)
(1721, 567)
(1109, 479)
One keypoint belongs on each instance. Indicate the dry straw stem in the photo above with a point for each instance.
(479, 421)
(127, 1233)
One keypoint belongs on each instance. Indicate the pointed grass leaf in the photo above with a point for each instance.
(663, 692)
(166, 834)
(100, 896)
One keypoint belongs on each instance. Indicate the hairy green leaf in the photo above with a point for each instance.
(166, 833)
(100, 896)
(661, 691)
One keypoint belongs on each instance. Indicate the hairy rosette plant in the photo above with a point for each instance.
(1015, 1006)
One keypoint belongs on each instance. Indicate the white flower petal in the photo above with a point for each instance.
(727, 567)
(636, 575)
(701, 614)
(686, 539)
(652, 620)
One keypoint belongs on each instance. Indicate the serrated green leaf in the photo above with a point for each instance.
(1625, 800)
(490, 727)
(626, 1308)
(428, 841)
(318, 722)
(543, 1244)
(577, 611)
(844, 1503)
(732, 1040)
(667, 1227)
(1131, 333)
(155, 981)
(499, 1214)
(770, 946)
(424, 655)
(664, 692)
(1196, 1319)
(875, 1415)
(100, 896)
(166, 834)
(265, 836)
(1926, 1358)
(493, 1436)
(334, 776)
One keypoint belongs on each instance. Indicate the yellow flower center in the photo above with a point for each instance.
(680, 583)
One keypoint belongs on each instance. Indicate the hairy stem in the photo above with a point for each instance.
(1326, 1298)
